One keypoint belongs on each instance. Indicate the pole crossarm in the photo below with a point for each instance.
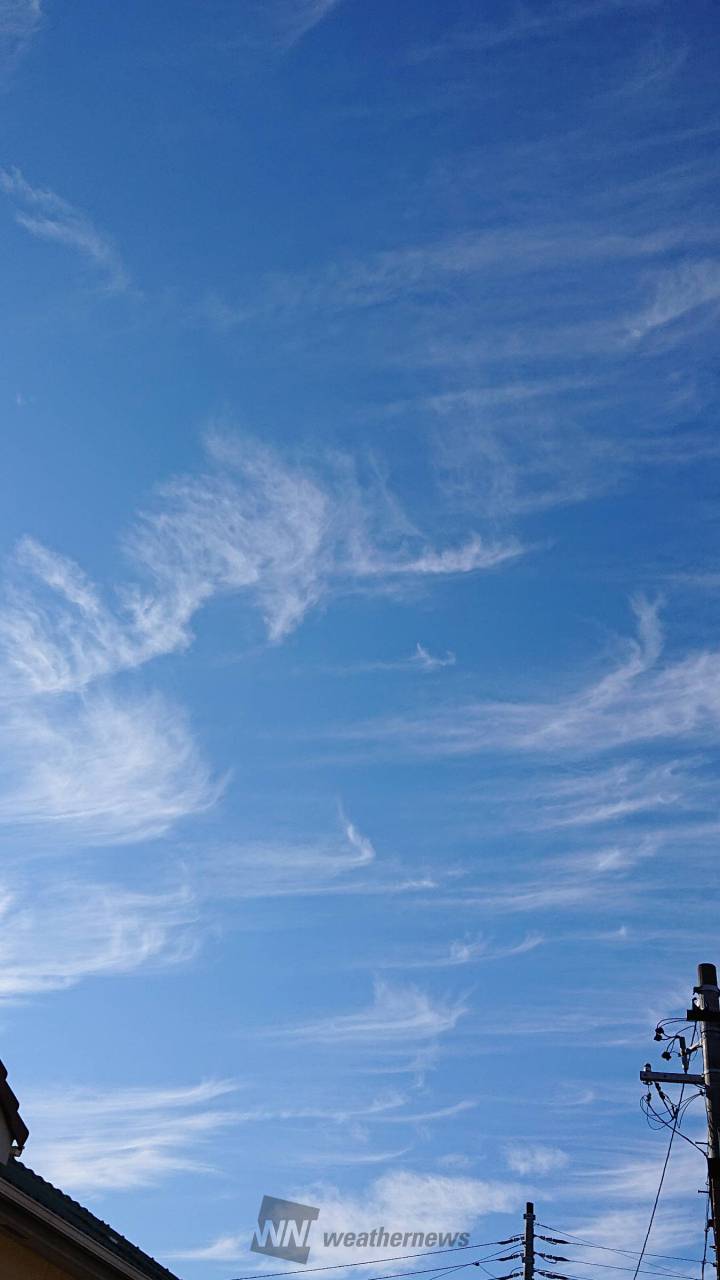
(649, 1076)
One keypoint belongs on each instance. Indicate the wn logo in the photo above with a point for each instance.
(284, 1229)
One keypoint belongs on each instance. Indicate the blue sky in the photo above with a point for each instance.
(359, 606)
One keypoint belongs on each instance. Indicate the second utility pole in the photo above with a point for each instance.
(529, 1253)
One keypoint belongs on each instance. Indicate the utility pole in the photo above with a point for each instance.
(529, 1251)
(705, 1010)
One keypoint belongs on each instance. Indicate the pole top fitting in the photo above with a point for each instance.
(707, 975)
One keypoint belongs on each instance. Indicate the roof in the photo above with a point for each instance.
(75, 1215)
(10, 1108)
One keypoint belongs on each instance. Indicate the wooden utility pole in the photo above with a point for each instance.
(705, 1010)
(529, 1250)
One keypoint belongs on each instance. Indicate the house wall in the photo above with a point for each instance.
(19, 1263)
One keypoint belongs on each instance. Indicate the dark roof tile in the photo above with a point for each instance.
(44, 1193)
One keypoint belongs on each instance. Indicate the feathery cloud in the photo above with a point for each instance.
(462, 952)
(638, 700)
(294, 19)
(679, 291)
(91, 1141)
(19, 22)
(284, 536)
(397, 1013)
(49, 217)
(281, 869)
(100, 770)
(62, 933)
(421, 659)
(104, 770)
(626, 789)
(527, 22)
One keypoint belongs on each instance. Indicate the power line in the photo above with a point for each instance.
(375, 1262)
(609, 1266)
(393, 1275)
(590, 1244)
(556, 1276)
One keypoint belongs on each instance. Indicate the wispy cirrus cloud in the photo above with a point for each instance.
(421, 659)
(19, 22)
(66, 932)
(94, 1140)
(284, 536)
(100, 770)
(525, 24)
(279, 869)
(294, 19)
(627, 789)
(637, 700)
(460, 952)
(400, 1013)
(59, 635)
(19, 18)
(287, 535)
(48, 216)
(496, 252)
(679, 292)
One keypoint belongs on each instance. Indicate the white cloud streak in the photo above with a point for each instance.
(678, 292)
(58, 935)
(397, 1013)
(282, 869)
(48, 216)
(103, 770)
(421, 659)
(627, 789)
(638, 700)
(296, 18)
(526, 23)
(463, 952)
(99, 1140)
(20, 20)
(283, 536)
(100, 771)
(498, 252)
